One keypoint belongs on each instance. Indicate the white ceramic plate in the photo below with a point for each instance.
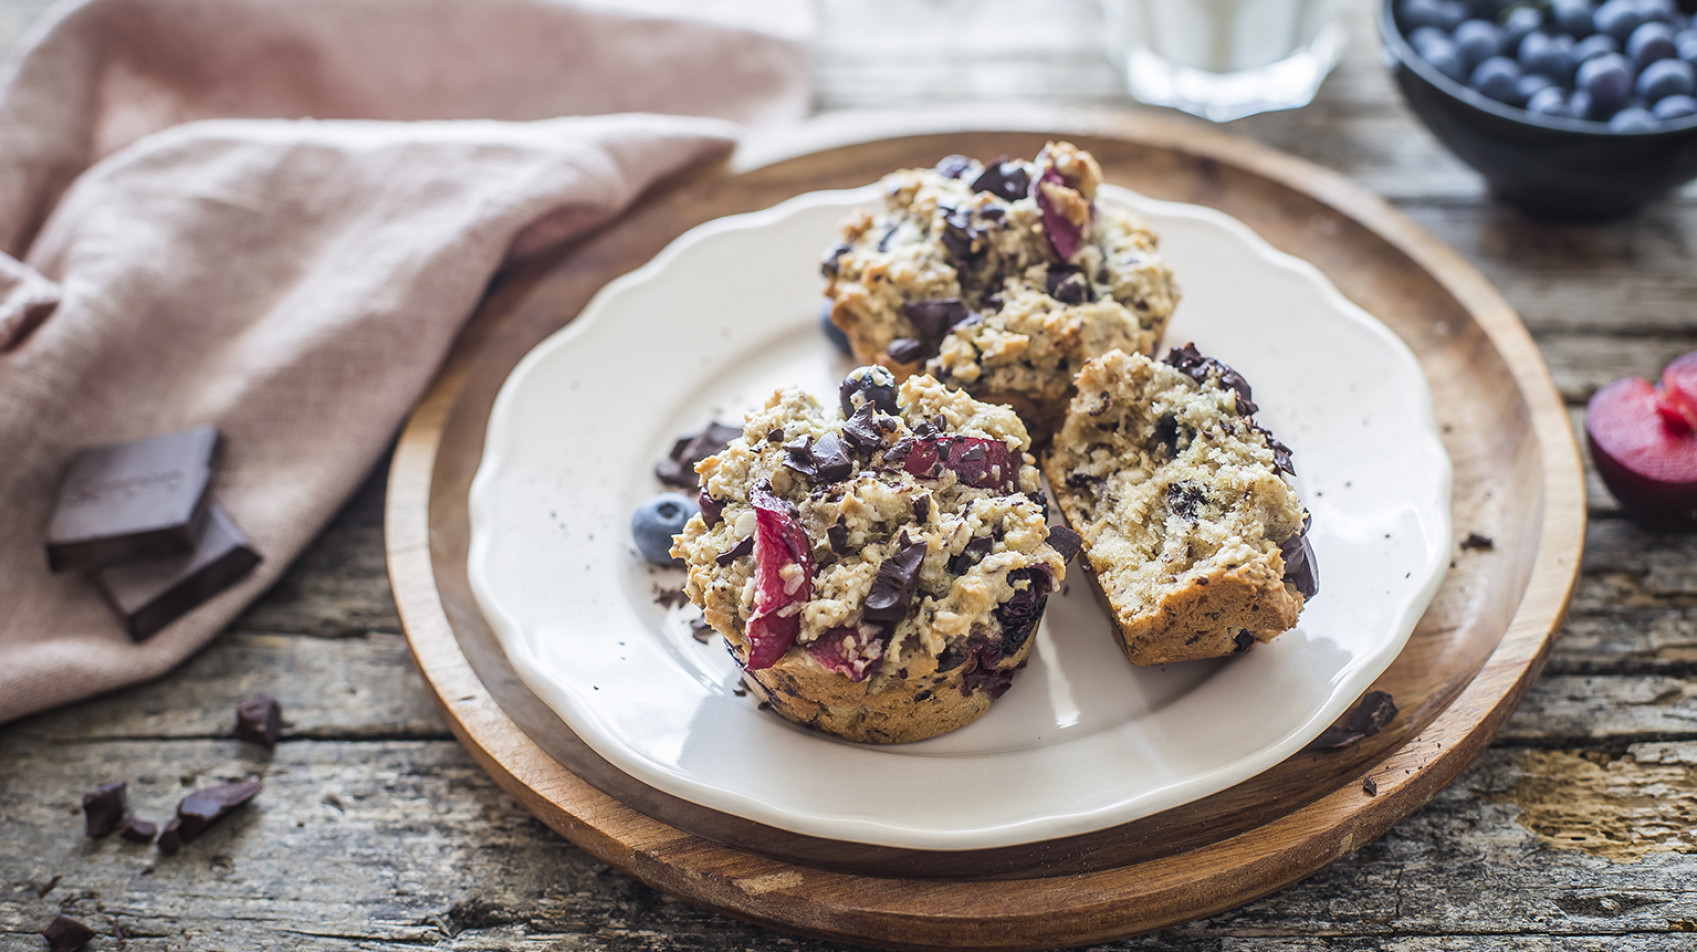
(1083, 740)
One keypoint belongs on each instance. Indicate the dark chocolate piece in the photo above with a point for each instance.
(933, 319)
(42, 890)
(960, 239)
(64, 934)
(260, 720)
(972, 554)
(1368, 717)
(868, 385)
(171, 838)
(798, 455)
(828, 266)
(745, 547)
(866, 428)
(831, 459)
(202, 808)
(103, 808)
(1010, 181)
(700, 630)
(1195, 366)
(142, 500)
(1242, 641)
(1067, 285)
(887, 602)
(1369, 786)
(1022, 611)
(678, 468)
(837, 535)
(1183, 500)
(953, 166)
(1166, 431)
(1301, 569)
(1065, 542)
(150, 595)
(138, 831)
(922, 508)
(712, 510)
(906, 350)
(1476, 541)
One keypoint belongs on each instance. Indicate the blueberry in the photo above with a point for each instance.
(833, 333)
(1549, 101)
(1478, 41)
(656, 521)
(1579, 105)
(1426, 34)
(1650, 42)
(1608, 79)
(1685, 44)
(1663, 10)
(1446, 15)
(1496, 78)
(1550, 55)
(1633, 119)
(1520, 24)
(1593, 46)
(1531, 84)
(1675, 107)
(1444, 57)
(1573, 16)
(1618, 18)
(1663, 78)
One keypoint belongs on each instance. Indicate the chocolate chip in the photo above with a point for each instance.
(951, 658)
(1166, 431)
(831, 459)
(260, 720)
(960, 238)
(971, 555)
(138, 831)
(893, 588)
(678, 469)
(742, 548)
(922, 508)
(1010, 181)
(868, 385)
(906, 350)
(1369, 716)
(1476, 541)
(103, 808)
(1022, 611)
(798, 455)
(1183, 500)
(775, 435)
(837, 535)
(1369, 786)
(65, 934)
(933, 319)
(866, 429)
(1301, 569)
(1065, 542)
(1195, 366)
(171, 838)
(1243, 640)
(712, 510)
(1067, 285)
(953, 166)
(829, 265)
(201, 809)
(1281, 453)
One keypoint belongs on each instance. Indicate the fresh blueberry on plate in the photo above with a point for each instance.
(655, 522)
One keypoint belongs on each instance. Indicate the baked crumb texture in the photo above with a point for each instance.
(878, 568)
(1196, 542)
(1000, 279)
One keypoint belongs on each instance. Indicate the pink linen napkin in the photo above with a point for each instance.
(181, 244)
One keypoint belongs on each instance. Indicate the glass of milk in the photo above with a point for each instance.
(1224, 59)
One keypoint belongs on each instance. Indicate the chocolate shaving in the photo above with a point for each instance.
(893, 588)
(700, 630)
(103, 808)
(1010, 181)
(260, 721)
(866, 429)
(975, 551)
(798, 455)
(933, 319)
(669, 597)
(1183, 499)
(831, 459)
(1197, 367)
(47, 887)
(1369, 716)
(1065, 542)
(922, 507)
(678, 469)
(742, 548)
(837, 535)
(1476, 541)
(828, 266)
(1281, 453)
(1067, 285)
(138, 831)
(64, 934)
(712, 510)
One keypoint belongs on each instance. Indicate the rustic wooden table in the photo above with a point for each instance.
(376, 830)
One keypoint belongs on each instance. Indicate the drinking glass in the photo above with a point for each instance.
(1224, 59)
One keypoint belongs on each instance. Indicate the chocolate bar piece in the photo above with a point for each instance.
(142, 500)
(150, 595)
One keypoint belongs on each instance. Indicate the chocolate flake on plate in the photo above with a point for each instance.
(1476, 541)
(678, 469)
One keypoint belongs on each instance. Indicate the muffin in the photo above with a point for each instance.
(879, 571)
(1001, 280)
(1194, 539)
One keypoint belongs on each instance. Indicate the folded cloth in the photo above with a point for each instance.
(211, 211)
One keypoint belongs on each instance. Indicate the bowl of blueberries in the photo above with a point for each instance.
(1573, 110)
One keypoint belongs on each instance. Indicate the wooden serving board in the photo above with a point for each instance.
(1518, 480)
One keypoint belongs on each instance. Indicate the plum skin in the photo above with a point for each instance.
(1648, 462)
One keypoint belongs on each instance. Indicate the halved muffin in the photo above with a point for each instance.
(1000, 279)
(1196, 542)
(879, 571)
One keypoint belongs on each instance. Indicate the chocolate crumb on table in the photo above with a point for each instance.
(1370, 786)
(42, 890)
(138, 831)
(103, 808)
(64, 934)
(259, 720)
(201, 809)
(1476, 541)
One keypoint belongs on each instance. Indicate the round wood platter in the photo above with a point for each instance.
(1518, 481)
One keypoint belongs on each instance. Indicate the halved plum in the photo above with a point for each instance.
(1066, 212)
(851, 650)
(1643, 438)
(783, 578)
(979, 462)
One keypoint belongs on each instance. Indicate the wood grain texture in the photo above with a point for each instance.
(434, 855)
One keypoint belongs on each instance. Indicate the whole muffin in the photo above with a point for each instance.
(1001, 279)
(878, 571)
(1193, 538)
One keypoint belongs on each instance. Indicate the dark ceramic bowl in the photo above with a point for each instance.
(1560, 169)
